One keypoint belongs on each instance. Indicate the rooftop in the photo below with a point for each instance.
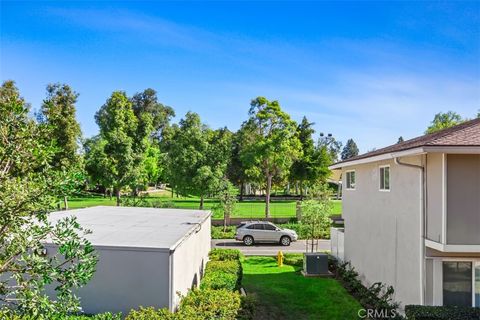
(135, 226)
(466, 134)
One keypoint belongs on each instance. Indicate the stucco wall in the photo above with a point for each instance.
(463, 199)
(189, 260)
(383, 229)
(435, 203)
(126, 279)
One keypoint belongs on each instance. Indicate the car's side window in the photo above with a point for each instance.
(270, 227)
(259, 226)
(252, 226)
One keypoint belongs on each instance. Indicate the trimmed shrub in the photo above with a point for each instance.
(414, 312)
(228, 266)
(210, 304)
(219, 280)
(12, 315)
(218, 254)
(293, 259)
(151, 313)
(218, 233)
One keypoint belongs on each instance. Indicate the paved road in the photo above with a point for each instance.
(267, 249)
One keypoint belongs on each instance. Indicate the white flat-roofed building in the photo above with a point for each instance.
(146, 255)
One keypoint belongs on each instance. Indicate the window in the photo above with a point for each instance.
(350, 180)
(270, 227)
(457, 283)
(258, 226)
(385, 178)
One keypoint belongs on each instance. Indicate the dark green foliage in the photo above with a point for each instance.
(100, 316)
(293, 259)
(350, 150)
(414, 312)
(218, 254)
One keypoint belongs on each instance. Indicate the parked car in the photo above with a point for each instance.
(263, 231)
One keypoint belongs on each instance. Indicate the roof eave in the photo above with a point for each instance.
(380, 157)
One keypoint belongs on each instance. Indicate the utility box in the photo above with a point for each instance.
(315, 264)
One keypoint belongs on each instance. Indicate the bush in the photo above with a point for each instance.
(210, 304)
(222, 275)
(12, 315)
(150, 313)
(414, 312)
(218, 233)
(218, 254)
(293, 259)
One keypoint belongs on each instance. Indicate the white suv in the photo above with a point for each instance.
(263, 231)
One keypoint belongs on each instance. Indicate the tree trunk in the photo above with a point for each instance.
(117, 194)
(110, 193)
(65, 202)
(201, 202)
(241, 191)
(296, 188)
(172, 192)
(267, 196)
(301, 190)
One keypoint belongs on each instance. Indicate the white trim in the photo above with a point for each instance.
(385, 156)
(444, 198)
(409, 152)
(347, 180)
(380, 177)
(453, 248)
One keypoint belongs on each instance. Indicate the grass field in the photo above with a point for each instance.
(244, 209)
(283, 293)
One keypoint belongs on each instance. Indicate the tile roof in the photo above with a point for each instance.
(464, 134)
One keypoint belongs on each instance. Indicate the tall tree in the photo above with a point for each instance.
(236, 170)
(312, 165)
(119, 128)
(29, 186)
(147, 102)
(400, 139)
(272, 143)
(198, 157)
(350, 150)
(58, 113)
(444, 120)
(331, 145)
(97, 163)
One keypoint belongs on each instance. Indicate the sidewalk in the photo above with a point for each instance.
(268, 249)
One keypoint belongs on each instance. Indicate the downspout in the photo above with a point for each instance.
(423, 219)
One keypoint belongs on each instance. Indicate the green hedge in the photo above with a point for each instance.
(11, 315)
(219, 233)
(414, 312)
(218, 254)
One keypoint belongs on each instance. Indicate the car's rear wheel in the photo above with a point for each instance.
(285, 241)
(248, 240)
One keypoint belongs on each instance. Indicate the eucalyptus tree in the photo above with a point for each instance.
(271, 145)
(29, 187)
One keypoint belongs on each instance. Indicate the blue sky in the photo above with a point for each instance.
(371, 71)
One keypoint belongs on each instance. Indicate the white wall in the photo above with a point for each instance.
(126, 279)
(383, 229)
(189, 260)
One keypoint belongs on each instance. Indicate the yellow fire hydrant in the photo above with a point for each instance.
(280, 258)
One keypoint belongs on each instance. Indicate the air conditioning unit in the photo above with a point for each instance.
(315, 264)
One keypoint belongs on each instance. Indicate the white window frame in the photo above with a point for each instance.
(347, 180)
(380, 178)
(474, 263)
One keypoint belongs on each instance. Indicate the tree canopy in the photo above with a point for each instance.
(271, 144)
(350, 150)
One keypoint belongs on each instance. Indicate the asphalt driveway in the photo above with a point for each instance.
(268, 249)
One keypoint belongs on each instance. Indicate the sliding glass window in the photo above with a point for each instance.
(457, 283)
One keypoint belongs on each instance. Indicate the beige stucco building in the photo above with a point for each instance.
(412, 217)
(147, 256)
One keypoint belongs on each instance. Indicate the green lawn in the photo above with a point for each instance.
(244, 209)
(283, 293)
